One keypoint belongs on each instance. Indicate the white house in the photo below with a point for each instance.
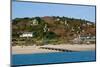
(27, 34)
(66, 22)
(45, 29)
(73, 29)
(58, 19)
(84, 39)
(89, 24)
(34, 22)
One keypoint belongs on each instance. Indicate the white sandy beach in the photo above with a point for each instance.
(36, 49)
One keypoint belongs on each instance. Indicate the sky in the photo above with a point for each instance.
(30, 9)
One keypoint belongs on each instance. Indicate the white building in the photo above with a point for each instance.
(27, 34)
(45, 29)
(34, 22)
(58, 19)
(89, 24)
(66, 22)
(84, 39)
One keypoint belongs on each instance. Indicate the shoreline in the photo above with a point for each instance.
(47, 52)
(36, 49)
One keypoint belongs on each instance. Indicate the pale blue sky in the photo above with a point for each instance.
(29, 9)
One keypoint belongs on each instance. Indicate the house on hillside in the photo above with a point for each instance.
(66, 22)
(58, 19)
(92, 38)
(45, 29)
(26, 34)
(89, 24)
(84, 39)
(72, 29)
(34, 22)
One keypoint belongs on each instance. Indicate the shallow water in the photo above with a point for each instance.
(48, 58)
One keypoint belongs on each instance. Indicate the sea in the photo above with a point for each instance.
(52, 58)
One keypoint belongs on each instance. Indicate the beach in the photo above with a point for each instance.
(38, 49)
(29, 50)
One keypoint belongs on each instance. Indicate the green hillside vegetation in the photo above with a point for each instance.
(51, 29)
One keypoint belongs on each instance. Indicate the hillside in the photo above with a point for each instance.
(53, 27)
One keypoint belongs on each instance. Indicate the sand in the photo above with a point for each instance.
(29, 50)
(36, 49)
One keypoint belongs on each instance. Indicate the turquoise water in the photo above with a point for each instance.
(48, 58)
